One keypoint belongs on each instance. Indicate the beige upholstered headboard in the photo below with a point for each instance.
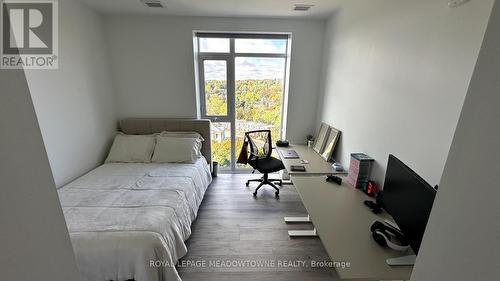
(144, 126)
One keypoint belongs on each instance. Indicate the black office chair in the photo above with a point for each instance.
(261, 160)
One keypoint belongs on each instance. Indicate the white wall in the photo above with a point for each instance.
(74, 104)
(153, 68)
(34, 240)
(461, 242)
(395, 78)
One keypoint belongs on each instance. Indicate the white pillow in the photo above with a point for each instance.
(182, 134)
(132, 149)
(176, 150)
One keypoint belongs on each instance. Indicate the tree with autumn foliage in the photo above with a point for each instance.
(258, 101)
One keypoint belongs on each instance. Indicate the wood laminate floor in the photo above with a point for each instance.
(239, 237)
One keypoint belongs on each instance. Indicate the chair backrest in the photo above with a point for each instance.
(260, 144)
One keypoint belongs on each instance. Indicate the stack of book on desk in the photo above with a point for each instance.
(359, 170)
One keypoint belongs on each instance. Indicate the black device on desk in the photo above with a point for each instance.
(376, 208)
(282, 143)
(335, 179)
(297, 168)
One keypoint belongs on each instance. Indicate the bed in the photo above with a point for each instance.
(130, 220)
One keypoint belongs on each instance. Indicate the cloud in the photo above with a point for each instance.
(260, 46)
(245, 67)
(214, 45)
(215, 70)
(246, 45)
(259, 68)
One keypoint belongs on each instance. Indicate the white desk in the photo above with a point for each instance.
(343, 224)
(316, 166)
(340, 219)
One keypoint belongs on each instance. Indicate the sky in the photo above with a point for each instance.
(245, 67)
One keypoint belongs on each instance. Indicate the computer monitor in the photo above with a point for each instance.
(408, 198)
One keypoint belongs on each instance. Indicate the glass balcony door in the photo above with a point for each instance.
(259, 96)
(216, 105)
(242, 82)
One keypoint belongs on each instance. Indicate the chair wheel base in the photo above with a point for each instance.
(265, 180)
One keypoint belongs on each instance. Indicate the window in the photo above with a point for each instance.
(215, 78)
(242, 82)
(261, 46)
(215, 45)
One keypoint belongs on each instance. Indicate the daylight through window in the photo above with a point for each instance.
(242, 87)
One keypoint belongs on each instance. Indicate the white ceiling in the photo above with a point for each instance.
(219, 8)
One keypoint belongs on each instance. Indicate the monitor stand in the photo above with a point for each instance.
(404, 260)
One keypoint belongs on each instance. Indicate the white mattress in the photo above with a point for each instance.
(123, 216)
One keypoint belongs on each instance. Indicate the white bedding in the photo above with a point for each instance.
(122, 216)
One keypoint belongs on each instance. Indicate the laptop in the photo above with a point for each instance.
(289, 154)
